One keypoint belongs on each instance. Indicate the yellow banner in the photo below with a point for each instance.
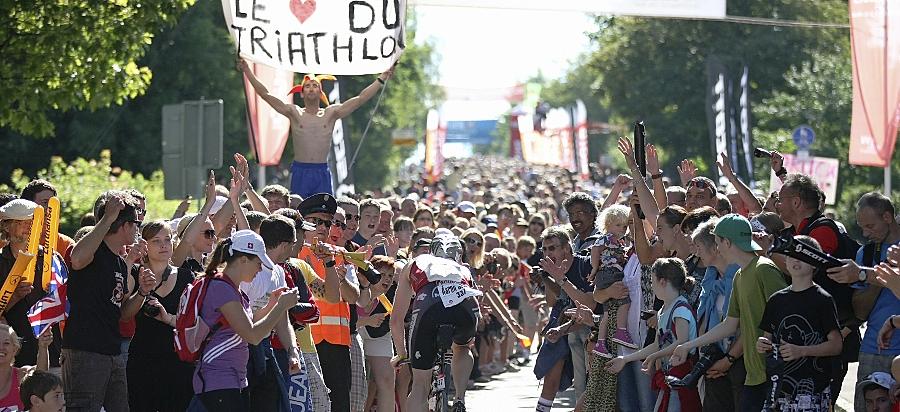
(387, 303)
(51, 227)
(34, 241)
(23, 261)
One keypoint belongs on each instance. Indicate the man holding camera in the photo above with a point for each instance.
(798, 204)
(875, 215)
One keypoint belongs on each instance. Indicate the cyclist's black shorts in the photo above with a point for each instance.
(424, 327)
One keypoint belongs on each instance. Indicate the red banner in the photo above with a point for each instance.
(875, 46)
(268, 128)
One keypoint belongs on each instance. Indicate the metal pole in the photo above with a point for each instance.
(261, 177)
(887, 180)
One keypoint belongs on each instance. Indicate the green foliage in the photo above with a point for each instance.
(63, 55)
(81, 181)
(195, 58)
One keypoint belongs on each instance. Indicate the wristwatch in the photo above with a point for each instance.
(863, 275)
(731, 359)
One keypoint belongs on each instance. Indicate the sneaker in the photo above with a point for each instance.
(622, 337)
(458, 406)
(511, 368)
(600, 350)
(483, 379)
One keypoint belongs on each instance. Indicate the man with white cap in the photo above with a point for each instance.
(15, 227)
(93, 372)
(876, 390)
(466, 210)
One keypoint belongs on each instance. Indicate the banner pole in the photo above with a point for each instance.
(887, 180)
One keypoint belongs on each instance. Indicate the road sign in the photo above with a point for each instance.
(191, 143)
(803, 137)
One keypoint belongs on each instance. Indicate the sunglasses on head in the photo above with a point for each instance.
(209, 233)
(699, 183)
(316, 221)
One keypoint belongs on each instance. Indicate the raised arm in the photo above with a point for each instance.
(648, 202)
(344, 109)
(83, 251)
(256, 201)
(659, 190)
(186, 239)
(285, 109)
(621, 182)
(234, 195)
(744, 192)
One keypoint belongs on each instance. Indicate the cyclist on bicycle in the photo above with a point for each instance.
(444, 294)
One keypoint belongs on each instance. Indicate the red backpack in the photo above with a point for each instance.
(191, 332)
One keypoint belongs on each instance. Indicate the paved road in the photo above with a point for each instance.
(519, 391)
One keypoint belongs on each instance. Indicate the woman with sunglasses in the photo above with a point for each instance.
(474, 248)
(157, 379)
(196, 235)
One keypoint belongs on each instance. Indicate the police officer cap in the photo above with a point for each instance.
(318, 203)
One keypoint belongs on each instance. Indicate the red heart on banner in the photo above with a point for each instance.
(302, 9)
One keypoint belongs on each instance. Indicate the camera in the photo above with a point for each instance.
(371, 274)
(761, 153)
(709, 355)
(789, 246)
(149, 310)
(492, 267)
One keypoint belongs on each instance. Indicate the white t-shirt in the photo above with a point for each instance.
(262, 286)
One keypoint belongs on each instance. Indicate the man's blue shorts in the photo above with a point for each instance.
(308, 179)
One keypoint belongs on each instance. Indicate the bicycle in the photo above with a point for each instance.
(442, 379)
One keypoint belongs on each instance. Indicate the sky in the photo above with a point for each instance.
(480, 52)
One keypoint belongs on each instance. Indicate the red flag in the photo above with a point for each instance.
(875, 46)
(268, 128)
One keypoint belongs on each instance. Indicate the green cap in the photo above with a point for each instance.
(737, 229)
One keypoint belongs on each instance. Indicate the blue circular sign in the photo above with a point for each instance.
(803, 136)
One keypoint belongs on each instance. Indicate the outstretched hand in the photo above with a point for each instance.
(687, 170)
(627, 150)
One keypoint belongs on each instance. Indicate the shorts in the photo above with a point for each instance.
(608, 275)
(308, 179)
(382, 346)
(424, 327)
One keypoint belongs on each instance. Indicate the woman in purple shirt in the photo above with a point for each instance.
(220, 376)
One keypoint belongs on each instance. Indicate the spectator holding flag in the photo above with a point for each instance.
(15, 226)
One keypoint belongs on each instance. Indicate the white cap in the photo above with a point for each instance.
(247, 241)
(882, 379)
(443, 232)
(217, 204)
(466, 207)
(18, 209)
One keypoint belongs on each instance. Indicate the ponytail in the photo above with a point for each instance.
(689, 284)
(222, 255)
(218, 257)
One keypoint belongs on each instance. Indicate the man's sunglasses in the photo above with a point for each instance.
(341, 225)
(316, 221)
(354, 217)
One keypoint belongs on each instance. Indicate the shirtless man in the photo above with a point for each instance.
(312, 128)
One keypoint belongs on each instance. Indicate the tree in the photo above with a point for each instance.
(654, 69)
(75, 55)
(195, 58)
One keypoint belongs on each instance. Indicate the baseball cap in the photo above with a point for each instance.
(18, 209)
(882, 379)
(738, 230)
(217, 204)
(247, 241)
(466, 207)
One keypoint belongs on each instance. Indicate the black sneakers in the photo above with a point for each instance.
(459, 406)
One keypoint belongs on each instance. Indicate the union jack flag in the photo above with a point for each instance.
(54, 307)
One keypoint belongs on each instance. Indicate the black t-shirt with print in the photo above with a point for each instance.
(385, 327)
(96, 293)
(802, 318)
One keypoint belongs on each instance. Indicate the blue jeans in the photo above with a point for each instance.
(633, 391)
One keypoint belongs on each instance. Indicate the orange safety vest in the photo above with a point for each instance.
(334, 318)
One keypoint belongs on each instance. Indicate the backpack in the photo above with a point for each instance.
(846, 248)
(191, 332)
